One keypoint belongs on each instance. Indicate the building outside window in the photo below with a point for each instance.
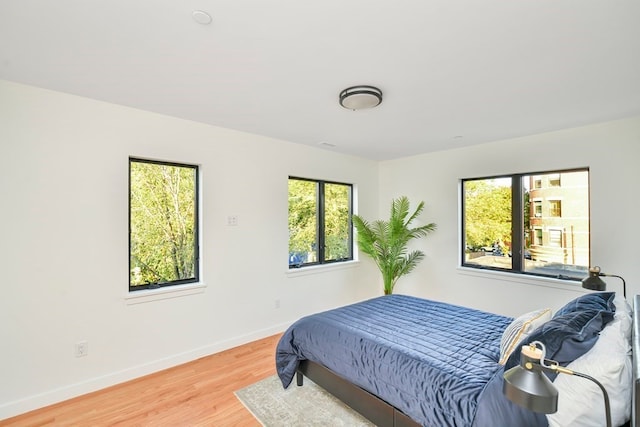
(320, 228)
(163, 224)
(530, 224)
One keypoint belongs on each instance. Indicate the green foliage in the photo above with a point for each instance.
(487, 213)
(302, 215)
(162, 221)
(386, 241)
(303, 219)
(336, 221)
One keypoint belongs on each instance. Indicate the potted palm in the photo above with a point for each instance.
(386, 241)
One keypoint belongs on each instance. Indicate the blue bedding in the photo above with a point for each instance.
(436, 362)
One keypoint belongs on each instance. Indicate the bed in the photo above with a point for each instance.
(404, 361)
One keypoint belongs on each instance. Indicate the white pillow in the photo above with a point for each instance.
(519, 329)
(624, 313)
(580, 401)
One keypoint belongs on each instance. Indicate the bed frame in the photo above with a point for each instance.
(383, 414)
(373, 408)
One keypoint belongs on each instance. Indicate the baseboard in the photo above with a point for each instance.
(66, 392)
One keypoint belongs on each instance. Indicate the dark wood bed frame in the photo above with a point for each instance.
(370, 406)
(383, 414)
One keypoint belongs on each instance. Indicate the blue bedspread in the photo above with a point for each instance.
(436, 362)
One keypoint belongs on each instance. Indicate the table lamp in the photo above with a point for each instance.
(595, 283)
(528, 386)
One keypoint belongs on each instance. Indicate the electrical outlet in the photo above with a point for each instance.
(82, 348)
(232, 220)
(277, 303)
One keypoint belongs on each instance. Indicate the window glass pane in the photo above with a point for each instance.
(537, 208)
(336, 221)
(162, 224)
(487, 218)
(538, 234)
(561, 244)
(554, 180)
(537, 182)
(302, 221)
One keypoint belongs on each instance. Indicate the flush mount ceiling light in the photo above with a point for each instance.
(201, 17)
(360, 97)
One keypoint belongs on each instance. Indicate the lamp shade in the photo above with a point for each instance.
(593, 281)
(530, 389)
(360, 97)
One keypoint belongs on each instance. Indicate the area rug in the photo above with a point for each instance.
(308, 405)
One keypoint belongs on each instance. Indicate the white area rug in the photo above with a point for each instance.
(308, 405)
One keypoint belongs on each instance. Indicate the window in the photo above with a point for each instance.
(538, 234)
(163, 224)
(537, 182)
(537, 208)
(320, 228)
(502, 214)
(555, 208)
(555, 238)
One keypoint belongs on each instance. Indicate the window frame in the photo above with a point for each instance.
(517, 220)
(196, 238)
(555, 237)
(320, 224)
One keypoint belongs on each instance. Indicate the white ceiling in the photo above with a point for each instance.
(453, 72)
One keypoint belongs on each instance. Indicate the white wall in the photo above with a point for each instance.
(64, 244)
(611, 151)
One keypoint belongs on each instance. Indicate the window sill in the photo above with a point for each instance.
(549, 282)
(149, 295)
(317, 269)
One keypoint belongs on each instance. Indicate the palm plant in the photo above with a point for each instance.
(386, 241)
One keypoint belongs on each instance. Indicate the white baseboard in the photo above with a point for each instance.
(49, 397)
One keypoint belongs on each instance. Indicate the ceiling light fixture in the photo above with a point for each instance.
(360, 97)
(201, 17)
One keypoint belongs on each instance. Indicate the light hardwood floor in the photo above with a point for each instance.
(198, 393)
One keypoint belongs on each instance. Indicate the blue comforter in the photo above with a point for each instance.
(436, 362)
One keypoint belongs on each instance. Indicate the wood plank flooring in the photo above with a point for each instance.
(198, 393)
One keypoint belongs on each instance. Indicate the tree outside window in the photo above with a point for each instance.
(163, 224)
(319, 222)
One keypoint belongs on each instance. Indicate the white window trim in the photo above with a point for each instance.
(167, 292)
(321, 268)
(548, 282)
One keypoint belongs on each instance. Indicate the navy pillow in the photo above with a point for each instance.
(567, 336)
(590, 301)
